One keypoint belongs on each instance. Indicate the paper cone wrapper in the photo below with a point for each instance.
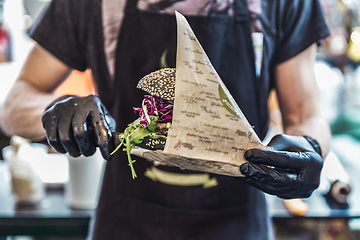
(209, 133)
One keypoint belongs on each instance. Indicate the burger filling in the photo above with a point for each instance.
(153, 106)
(155, 117)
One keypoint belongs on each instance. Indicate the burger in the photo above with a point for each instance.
(157, 107)
(150, 129)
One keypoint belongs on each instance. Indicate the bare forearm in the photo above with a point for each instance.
(315, 127)
(22, 111)
(299, 98)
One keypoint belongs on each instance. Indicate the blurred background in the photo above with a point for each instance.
(338, 75)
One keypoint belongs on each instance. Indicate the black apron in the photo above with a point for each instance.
(145, 209)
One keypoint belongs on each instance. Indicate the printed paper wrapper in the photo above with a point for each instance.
(209, 132)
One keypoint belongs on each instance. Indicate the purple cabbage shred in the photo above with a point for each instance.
(155, 106)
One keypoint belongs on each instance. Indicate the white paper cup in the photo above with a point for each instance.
(85, 178)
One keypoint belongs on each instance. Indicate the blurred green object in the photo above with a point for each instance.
(347, 123)
(1, 11)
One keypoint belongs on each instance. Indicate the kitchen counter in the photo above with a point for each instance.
(52, 217)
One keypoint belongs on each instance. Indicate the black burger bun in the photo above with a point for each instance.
(152, 144)
(160, 83)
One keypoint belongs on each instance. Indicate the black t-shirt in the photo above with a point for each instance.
(77, 33)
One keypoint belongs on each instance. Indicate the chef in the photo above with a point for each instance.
(254, 45)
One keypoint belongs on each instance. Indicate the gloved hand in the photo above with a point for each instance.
(291, 170)
(78, 125)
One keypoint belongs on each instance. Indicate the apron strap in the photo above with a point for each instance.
(241, 9)
(131, 5)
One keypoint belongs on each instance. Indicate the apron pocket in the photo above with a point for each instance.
(143, 220)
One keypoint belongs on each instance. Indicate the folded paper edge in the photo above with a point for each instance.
(194, 164)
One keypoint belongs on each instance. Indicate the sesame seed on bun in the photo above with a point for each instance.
(160, 83)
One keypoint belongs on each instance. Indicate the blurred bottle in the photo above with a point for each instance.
(27, 186)
(5, 47)
(354, 45)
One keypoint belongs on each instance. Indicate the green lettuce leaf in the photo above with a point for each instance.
(135, 133)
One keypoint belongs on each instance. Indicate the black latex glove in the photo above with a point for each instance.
(291, 170)
(78, 125)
